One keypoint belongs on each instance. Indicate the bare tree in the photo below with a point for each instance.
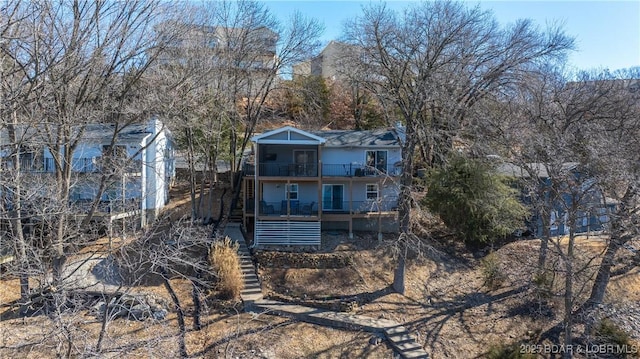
(433, 62)
(573, 142)
(258, 51)
(221, 72)
(615, 152)
(91, 57)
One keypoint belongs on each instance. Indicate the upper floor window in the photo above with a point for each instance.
(117, 151)
(377, 160)
(305, 156)
(114, 157)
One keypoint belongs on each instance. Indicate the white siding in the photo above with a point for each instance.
(157, 186)
(341, 155)
(287, 233)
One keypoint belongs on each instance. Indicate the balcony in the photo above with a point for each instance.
(292, 208)
(361, 207)
(359, 170)
(78, 165)
(302, 209)
(328, 170)
(114, 206)
(283, 169)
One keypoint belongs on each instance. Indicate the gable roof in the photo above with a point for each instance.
(382, 137)
(288, 134)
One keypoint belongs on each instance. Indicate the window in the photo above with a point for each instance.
(304, 156)
(332, 197)
(114, 158)
(372, 191)
(306, 162)
(377, 160)
(114, 152)
(292, 191)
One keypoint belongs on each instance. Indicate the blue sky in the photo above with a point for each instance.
(607, 33)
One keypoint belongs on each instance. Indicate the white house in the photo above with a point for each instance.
(301, 182)
(138, 157)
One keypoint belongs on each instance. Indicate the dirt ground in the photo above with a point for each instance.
(447, 306)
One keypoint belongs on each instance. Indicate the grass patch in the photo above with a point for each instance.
(508, 351)
(608, 333)
(225, 262)
(493, 275)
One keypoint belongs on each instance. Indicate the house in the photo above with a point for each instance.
(298, 183)
(139, 159)
(593, 208)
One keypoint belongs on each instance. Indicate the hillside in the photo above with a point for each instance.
(448, 306)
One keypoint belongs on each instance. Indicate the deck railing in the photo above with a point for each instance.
(297, 208)
(283, 169)
(359, 170)
(78, 165)
(328, 170)
(389, 204)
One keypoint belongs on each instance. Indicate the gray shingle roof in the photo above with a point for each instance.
(383, 137)
(537, 169)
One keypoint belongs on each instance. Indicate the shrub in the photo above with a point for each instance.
(474, 201)
(225, 262)
(543, 282)
(608, 333)
(507, 351)
(491, 271)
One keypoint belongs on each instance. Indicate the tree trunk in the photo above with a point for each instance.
(197, 306)
(618, 239)
(214, 178)
(404, 206)
(568, 294)
(103, 325)
(203, 179)
(544, 240)
(192, 174)
(180, 314)
(16, 223)
(604, 274)
(22, 256)
(399, 274)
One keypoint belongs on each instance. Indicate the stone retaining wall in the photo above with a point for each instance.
(272, 259)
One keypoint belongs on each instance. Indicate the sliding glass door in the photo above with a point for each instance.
(332, 197)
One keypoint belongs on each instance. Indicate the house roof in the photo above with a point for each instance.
(288, 134)
(133, 132)
(537, 169)
(96, 132)
(382, 137)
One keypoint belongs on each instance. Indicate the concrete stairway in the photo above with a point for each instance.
(397, 335)
(252, 291)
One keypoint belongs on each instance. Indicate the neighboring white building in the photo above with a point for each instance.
(141, 161)
(302, 182)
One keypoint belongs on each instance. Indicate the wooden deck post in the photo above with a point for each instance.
(350, 208)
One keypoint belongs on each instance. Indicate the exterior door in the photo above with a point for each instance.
(306, 162)
(332, 197)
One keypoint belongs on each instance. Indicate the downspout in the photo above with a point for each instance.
(256, 194)
(143, 187)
